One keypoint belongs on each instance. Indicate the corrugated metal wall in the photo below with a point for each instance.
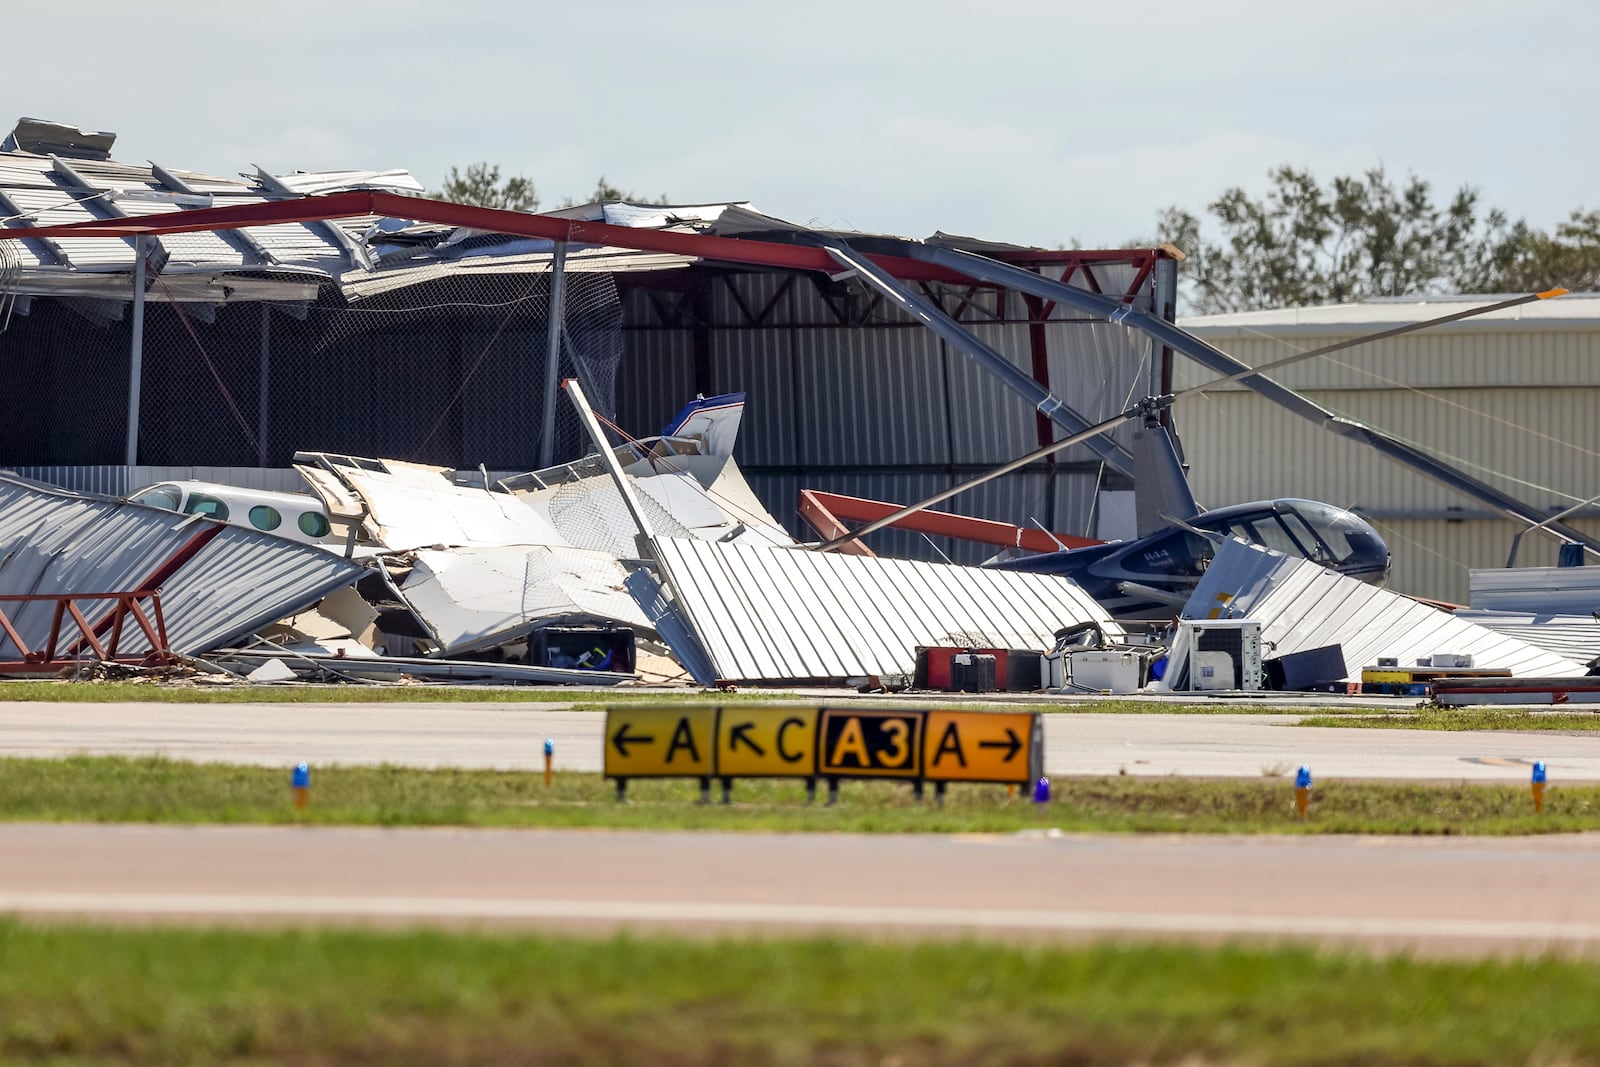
(879, 406)
(1517, 408)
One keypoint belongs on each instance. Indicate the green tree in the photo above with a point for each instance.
(481, 185)
(604, 190)
(1569, 258)
(1304, 243)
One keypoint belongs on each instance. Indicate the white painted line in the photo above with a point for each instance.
(856, 916)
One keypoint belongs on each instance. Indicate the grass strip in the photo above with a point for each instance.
(154, 790)
(89, 995)
(584, 699)
(157, 692)
(1471, 718)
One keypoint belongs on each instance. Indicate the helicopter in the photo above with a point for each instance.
(1151, 577)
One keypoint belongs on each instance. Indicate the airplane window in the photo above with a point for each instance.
(263, 517)
(314, 524)
(210, 506)
(162, 496)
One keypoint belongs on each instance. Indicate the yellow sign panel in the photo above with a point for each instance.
(870, 744)
(980, 746)
(767, 743)
(660, 742)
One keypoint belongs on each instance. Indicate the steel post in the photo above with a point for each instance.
(136, 352)
(552, 359)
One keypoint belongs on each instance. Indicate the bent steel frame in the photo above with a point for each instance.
(103, 638)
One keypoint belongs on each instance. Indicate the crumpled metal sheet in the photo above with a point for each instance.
(1302, 605)
(764, 614)
(476, 598)
(218, 582)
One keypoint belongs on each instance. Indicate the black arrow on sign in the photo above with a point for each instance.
(742, 733)
(622, 739)
(1012, 746)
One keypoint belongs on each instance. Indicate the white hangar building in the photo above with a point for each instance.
(1512, 398)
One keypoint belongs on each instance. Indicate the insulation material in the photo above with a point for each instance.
(1302, 605)
(762, 614)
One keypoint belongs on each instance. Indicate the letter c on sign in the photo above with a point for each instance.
(784, 753)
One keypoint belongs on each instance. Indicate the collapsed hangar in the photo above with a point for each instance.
(218, 353)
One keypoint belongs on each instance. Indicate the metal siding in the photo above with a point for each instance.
(877, 396)
(1302, 605)
(1554, 590)
(760, 363)
(1462, 356)
(1098, 369)
(57, 542)
(655, 379)
(990, 423)
(1433, 557)
(774, 614)
(1244, 447)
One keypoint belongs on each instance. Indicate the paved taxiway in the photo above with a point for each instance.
(511, 736)
(1435, 895)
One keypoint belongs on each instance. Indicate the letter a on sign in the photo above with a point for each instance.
(984, 746)
(850, 744)
(949, 745)
(659, 742)
(871, 743)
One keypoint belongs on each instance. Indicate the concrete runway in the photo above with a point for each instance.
(511, 736)
(1455, 896)
(1433, 895)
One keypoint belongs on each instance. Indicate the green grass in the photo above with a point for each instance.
(95, 789)
(155, 692)
(580, 698)
(1475, 718)
(86, 995)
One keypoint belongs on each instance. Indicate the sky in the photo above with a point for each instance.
(1041, 123)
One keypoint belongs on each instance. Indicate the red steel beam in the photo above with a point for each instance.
(67, 607)
(935, 523)
(359, 203)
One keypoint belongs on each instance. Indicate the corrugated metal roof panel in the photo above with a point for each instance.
(1577, 637)
(54, 207)
(236, 581)
(773, 614)
(1546, 590)
(1302, 606)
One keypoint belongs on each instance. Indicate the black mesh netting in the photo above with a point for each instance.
(449, 371)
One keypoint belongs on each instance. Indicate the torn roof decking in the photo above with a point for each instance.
(787, 615)
(574, 231)
(48, 192)
(218, 582)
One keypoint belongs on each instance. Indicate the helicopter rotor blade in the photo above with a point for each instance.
(977, 267)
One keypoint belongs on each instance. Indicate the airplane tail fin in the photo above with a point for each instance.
(1160, 486)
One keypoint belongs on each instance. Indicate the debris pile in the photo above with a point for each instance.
(654, 562)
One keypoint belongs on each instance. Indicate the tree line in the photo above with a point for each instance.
(1303, 243)
(481, 185)
(1300, 244)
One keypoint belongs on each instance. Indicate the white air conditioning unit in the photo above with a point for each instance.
(1224, 654)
